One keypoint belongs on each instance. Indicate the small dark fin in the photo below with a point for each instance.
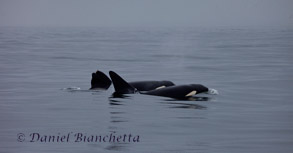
(120, 85)
(100, 81)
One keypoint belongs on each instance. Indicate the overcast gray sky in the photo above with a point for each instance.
(146, 12)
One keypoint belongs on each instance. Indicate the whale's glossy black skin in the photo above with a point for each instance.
(150, 85)
(120, 85)
(101, 81)
(177, 92)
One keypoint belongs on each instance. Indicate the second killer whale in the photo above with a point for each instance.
(177, 92)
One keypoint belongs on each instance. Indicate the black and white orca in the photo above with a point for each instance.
(101, 81)
(176, 92)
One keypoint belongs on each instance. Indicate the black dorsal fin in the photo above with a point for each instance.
(120, 85)
(100, 81)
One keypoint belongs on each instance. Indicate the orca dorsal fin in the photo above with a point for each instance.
(120, 85)
(100, 81)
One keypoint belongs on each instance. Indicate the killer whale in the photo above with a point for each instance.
(177, 92)
(102, 81)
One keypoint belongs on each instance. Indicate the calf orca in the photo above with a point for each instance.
(101, 81)
(176, 92)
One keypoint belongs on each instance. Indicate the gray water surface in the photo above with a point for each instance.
(251, 68)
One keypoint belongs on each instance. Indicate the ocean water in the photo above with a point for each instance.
(45, 104)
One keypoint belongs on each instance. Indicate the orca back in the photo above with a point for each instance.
(150, 85)
(179, 92)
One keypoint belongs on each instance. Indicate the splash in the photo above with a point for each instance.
(72, 89)
(213, 92)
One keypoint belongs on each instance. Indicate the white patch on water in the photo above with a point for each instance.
(213, 92)
(72, 88)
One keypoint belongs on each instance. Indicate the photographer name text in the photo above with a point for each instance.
(78, 137)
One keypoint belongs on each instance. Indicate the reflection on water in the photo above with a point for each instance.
(116, 147)
(115, 102)
(193, 98)
(184, 105)
(118, 99)
(116, 95)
